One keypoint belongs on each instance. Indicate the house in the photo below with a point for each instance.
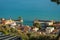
(26, 28)
(57, 24)
(19, 22)
(10, 21)
(44, 23)
(3, 20)
(35, 29)
(49, 29)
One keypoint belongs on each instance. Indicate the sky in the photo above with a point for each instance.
(30, 9)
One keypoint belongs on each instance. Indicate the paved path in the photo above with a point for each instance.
(9, 37)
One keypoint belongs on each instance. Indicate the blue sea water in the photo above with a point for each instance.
(30, 10)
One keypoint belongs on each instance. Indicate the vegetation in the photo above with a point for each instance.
(19, 18)
(37, 36)
(57, 1)
(5, 29)
(37, 25)
(26, 36)
(8, 30)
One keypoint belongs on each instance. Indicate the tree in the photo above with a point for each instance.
(57, 1)
(37, 25)
(19, 18)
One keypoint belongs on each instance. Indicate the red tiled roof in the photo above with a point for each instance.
(56, 24)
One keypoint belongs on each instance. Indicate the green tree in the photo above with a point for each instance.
(37, 25)
(57, 1)
(19, 18)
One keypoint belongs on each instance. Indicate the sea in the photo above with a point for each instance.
(30, 10)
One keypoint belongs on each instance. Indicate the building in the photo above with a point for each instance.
(57, 24)
(35, 29)
(3, 20)
(19, 22)
(49, 29)
(44, 23)
(10, 21)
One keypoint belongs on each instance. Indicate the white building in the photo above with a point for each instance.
(44, 21)
(49, 29)
(35, 29)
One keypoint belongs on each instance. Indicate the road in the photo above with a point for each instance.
(9, 37)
